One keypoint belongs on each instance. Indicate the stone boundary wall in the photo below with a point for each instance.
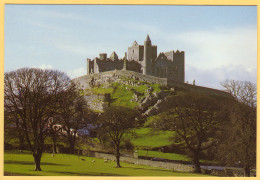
(226, 172)
(130, 160)
(85, 80)
(198, 89)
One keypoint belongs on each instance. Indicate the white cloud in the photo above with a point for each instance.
(212, 77)
(77, 72)
(211, 49)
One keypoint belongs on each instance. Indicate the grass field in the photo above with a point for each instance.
(16, 163)
(146, 137)
(170, 156)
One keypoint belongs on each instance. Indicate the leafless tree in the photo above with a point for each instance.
(238, 142)
(242, 91)
(34, 95)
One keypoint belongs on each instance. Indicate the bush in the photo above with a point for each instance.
(8, 146)
(128, 145)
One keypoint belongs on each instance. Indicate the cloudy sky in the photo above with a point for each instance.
(220, 42)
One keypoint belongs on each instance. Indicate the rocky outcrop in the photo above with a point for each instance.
(150, 102)
(153, 103)
(96, 102)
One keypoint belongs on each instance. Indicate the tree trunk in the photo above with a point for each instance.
(21, 142)
(71, 147)
(37, 160)
(54, 147)
(21, 136)
(117, 156)
(196, 163)
(247, 171)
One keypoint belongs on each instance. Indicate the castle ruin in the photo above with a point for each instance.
(142, 59)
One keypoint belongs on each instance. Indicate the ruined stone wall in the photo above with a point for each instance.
(178, 59)
(90, 66)
(162, 66)
(133, 66)
(109, 65)
(169, 55)
(136, 53)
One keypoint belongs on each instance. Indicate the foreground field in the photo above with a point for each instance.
(16, 163)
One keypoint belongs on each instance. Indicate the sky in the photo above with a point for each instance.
(220, 42)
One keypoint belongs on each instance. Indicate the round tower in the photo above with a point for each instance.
(147, 56)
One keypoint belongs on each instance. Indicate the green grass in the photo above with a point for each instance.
(120, 94)
(123, 97)
(146, 137)
(16, 163)
(170, 156)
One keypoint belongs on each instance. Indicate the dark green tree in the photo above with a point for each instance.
(13, 128)
(238, 140)
(54, 132)
(73, 114)
(194, 118)
(115, 121)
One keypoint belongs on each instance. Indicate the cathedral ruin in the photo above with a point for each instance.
(142, 59)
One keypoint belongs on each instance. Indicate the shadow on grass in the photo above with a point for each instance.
(85, 174)
(16, 174)
(162, 170)
(31, 163)
(17, 152)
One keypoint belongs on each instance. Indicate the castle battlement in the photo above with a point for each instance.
(142, 59)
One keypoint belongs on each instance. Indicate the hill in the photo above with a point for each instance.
(130, 92)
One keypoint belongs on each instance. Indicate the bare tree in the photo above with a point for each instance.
(238, 142)
(34, 95)
(116, 121)
(194, 119)
(242, 91)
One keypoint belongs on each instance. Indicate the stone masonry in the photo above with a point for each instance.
(142, 59)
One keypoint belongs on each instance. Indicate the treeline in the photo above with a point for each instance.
(224, 126)
(41, 104)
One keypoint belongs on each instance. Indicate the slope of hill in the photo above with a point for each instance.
(130, 92)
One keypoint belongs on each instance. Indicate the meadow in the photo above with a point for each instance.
(21, 163)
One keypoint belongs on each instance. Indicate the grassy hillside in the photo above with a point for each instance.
(122, 94)
(147, 138)
(170, 156)
(16, 163)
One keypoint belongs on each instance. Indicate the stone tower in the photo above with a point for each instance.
(147, 62)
